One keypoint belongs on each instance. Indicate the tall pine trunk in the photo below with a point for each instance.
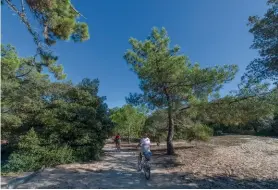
(128, 134)
(170, 147)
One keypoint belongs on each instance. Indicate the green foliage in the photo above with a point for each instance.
(185, 127)
(71, 121)
(54, 155)
(184, 121)
(168, 78)
(164, 72)
(260, 124)
(251, 110)
(198, 132)
(59, 19)
(156, 126)
(77, 117)
(265, 41)
(55, 20)
(129, 121)
(30, 155)
(250, 103)
(18, 103)
(275, 120)
(22, 162)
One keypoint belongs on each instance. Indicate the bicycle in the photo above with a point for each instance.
(144, 164)
(118, 147)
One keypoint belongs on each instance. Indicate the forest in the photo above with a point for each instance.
(47, 122)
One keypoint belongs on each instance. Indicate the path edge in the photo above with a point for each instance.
(12, 184)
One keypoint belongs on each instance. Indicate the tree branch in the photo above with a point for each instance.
(22, 7)
(5, 111)
(221, 101)
(23, 18)
(184, 108)
(184, 84)
(248, 97)
(22, 75)
(72, 7)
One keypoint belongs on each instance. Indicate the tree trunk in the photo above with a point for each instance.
(170, 147)
(255, 127)
(129, 134)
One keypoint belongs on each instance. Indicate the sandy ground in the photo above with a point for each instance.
(224, 162)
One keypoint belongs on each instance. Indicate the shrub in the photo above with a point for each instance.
(275, 125)
(22, 162)
(198, 132)
(30, 156)
(52, 156)
(87, 153)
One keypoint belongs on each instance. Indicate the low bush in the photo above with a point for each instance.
(198, 132)
(30, 156)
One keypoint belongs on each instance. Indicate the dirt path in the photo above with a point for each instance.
(116, 170)
(252, 163)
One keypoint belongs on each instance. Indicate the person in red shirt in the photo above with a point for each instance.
(118, 141)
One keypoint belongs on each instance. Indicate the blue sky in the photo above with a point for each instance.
(210, 32)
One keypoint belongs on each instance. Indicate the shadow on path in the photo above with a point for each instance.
(118, 170)
(68, 179)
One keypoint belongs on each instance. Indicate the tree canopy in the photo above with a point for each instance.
(168, 79)
(129, 121)
(266, 42)
(64, 122)
(57, 20)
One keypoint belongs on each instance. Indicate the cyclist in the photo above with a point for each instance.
(118, 141)
(145, 145)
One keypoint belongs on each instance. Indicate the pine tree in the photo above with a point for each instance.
(168, 79)
(57, 20)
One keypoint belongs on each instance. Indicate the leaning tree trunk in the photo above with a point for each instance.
(170, 147)
(128, 134)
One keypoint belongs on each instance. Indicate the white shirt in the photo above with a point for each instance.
(145, 142)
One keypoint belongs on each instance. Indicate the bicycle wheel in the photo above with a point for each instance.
(139, 164)
(147, 171)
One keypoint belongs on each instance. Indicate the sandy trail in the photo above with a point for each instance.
(203, 166)
(116, 170)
